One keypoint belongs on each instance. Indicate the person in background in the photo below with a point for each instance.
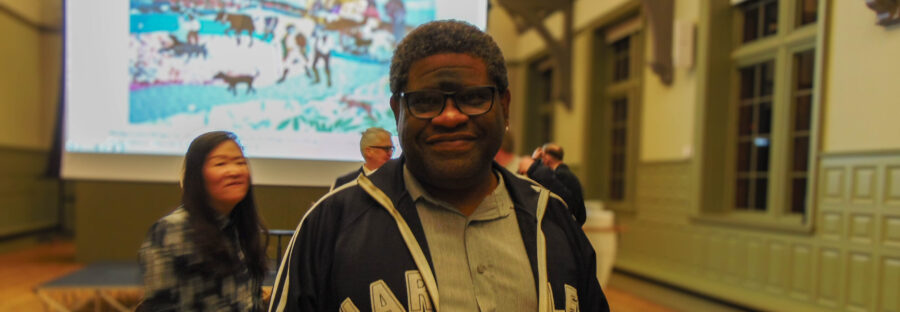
(546, 167)
(376, 147)
(208, 254)
(443, 227)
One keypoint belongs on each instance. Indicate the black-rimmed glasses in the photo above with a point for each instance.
(427, 104)
(386, 148)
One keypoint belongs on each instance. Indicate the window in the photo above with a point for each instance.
(773, 107)
(618, 126)
(800, 128)
(621, 56)
(765, 116)
(760, 19)
(807, 12)
(754, 135)
(617, 67)
(541, 105)
(618, 148)
(545, 87)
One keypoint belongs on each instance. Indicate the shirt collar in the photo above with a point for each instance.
(496, 205)
(368, 172)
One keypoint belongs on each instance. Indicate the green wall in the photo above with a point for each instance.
(29, 75)
(111, 218)
(850, 260)
(28, 200)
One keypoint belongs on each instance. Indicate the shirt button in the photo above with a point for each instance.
(481, 269)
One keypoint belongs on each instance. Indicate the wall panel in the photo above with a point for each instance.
(832, 225)
(716, 256)
(756, 263)
(737, 260)
(890, 229)
(680, 253)
(699, 248)
(892, 186)
(28, 199)
(779, 266)
(863, 190)
(862, 228)
(829, 277)
(890, 284)
(850, 261)
(801, 272)
(833, 184)
(860, 281)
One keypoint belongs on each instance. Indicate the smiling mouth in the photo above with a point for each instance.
(234, 184)
(451, 142)
(451, 137)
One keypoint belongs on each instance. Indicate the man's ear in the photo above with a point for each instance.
(504, 102)
(395, 107)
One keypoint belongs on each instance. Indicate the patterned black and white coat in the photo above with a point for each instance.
(174, 276)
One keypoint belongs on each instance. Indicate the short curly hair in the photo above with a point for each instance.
(447, 36)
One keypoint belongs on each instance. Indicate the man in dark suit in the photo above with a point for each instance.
(546, 167)
(376, 147)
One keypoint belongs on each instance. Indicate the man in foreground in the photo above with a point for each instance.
(442, 228)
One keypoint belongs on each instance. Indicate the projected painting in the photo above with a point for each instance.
(303, 66)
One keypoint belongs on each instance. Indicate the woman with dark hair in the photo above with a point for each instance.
(208, 254)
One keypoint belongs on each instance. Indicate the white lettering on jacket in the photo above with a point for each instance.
(416, 293)
(383, 299)
(348, 306)
(571, 299)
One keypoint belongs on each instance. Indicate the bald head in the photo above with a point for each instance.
(552, 155)
(554, 150)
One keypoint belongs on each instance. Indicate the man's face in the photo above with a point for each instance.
(547, 159)
(451, 147)
(380, 152)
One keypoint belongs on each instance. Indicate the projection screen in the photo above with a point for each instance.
(297, 81)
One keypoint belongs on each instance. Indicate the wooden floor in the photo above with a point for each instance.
(621, 301)
(21, 271)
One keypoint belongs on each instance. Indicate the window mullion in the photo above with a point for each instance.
(781, 138)
(786, 16)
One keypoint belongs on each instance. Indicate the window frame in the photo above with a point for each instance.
(605, 90)
(538, 108)
(780, 48)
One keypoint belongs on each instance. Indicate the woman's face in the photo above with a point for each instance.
(227, 176)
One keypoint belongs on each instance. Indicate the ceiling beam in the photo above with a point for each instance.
(530, 14)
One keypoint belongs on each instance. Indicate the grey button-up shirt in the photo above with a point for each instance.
(480, 262)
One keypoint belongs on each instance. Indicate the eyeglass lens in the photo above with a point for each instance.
(471, 101)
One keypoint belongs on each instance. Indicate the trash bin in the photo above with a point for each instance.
(600, 230)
